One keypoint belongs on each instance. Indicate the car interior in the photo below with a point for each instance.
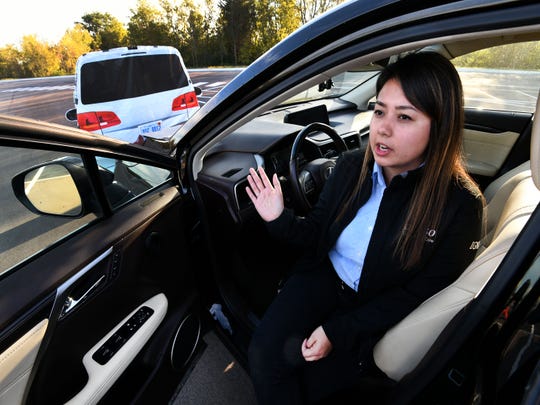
(496, 149)
(118, 313)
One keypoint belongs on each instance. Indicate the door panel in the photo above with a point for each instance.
(17, 362)
(141, 263)
(486, 152)
(495, 141)
(76, 295)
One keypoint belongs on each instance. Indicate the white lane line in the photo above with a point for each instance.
(39, 88)
(216, 84)
(34, 180)
(526, 94)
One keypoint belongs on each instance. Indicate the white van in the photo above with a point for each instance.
(133, 93)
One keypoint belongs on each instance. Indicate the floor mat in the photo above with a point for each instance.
(216, 379)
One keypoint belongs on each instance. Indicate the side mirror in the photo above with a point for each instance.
(198, 90)
(53, 188)
(71, 115)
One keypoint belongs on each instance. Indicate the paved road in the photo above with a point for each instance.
(44, 98)
(211, 81)
(499, 90)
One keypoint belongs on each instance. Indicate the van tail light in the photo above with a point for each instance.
(96, 120)
(187, 100)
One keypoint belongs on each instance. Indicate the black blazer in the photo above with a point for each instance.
(386, 292)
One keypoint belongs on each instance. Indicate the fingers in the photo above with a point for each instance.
(250, 194)
(254, 179)
(305, 350)
(277, 184)
(317, 346)
(309, 351)
(253, 186)
(259, 181)
(310, 341)
(265, 181)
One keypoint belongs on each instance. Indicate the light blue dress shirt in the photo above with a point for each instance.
(349, 252)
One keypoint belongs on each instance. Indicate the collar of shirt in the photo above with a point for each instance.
(378, 175)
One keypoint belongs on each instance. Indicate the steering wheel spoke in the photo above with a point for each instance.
(307, 183)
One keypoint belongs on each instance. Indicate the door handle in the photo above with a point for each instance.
(71, 302)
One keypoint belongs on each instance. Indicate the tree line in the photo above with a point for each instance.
(211, 33)
(207, 33)
(520, 56)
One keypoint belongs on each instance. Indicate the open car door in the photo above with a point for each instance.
(97, 297)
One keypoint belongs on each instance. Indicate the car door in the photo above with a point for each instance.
(499, 104)
(96, 287)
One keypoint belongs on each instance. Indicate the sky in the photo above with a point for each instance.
(49, 19)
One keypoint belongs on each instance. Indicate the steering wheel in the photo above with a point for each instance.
(308, 181)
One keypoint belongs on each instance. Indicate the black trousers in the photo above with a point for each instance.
(278, 370)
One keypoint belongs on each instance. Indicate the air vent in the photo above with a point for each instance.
(242, 198)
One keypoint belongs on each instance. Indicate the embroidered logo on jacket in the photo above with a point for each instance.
(430, 235)
(475, 245)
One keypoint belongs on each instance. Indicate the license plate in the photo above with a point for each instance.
(150, 128)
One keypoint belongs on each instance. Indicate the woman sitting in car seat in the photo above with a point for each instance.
(391, 228)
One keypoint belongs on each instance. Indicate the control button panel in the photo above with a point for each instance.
(122, 335)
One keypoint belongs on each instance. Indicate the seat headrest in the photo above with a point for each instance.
(535, 145)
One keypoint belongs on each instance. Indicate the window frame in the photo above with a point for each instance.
(88, 155)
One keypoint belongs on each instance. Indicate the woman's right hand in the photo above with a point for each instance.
(267, 197)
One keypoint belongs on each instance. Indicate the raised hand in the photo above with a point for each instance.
(267, 197)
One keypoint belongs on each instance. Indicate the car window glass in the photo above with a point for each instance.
(128, 77)
(24, 233)
(336, 86)
(504, 78)
(124, 180)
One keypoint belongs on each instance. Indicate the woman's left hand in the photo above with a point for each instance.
(317, 346)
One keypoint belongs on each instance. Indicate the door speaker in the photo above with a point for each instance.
(185, 341)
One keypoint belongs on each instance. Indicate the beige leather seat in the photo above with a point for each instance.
(511, 201)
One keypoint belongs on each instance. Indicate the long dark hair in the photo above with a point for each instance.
(431, 83)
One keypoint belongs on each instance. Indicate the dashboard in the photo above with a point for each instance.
(267, 142)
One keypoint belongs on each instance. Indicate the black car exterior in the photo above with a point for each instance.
(160, 256)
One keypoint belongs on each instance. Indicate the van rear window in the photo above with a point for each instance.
(135, 76)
